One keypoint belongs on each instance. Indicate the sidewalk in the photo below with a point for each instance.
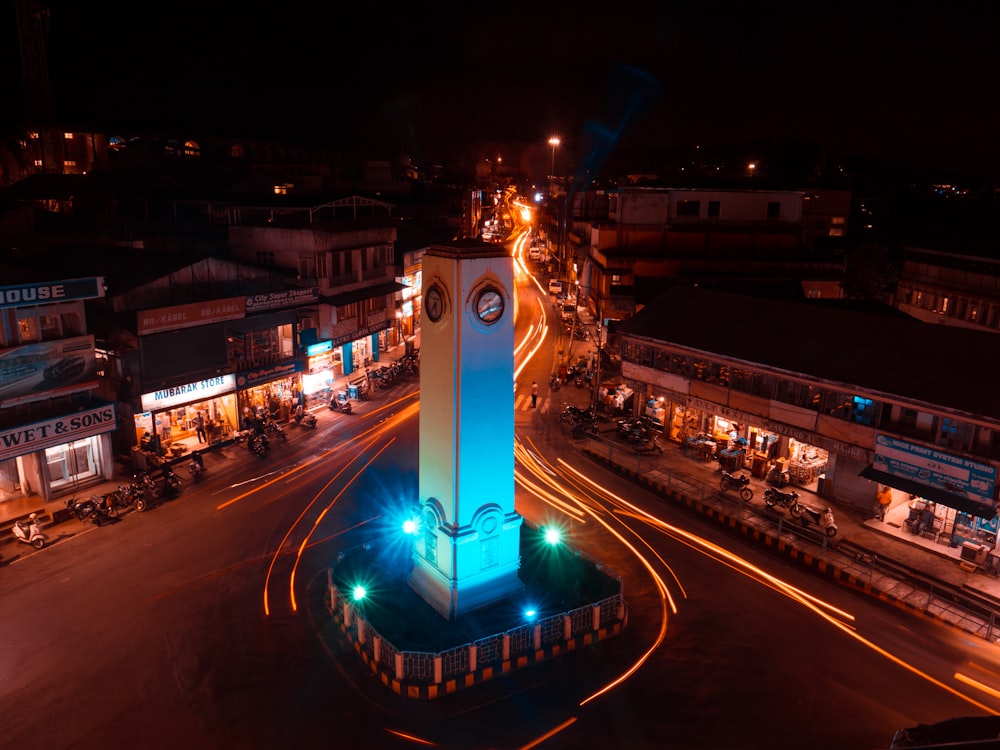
(216, 458)
(883, 559)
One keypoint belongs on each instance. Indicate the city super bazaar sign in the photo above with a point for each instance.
(59, 431)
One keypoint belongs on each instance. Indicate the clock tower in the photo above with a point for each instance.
(468, 551)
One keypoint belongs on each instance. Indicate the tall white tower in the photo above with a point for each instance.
(468, 552)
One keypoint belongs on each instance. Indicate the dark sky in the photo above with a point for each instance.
(909, 81)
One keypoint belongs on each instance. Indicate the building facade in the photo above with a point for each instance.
(54, 429)
(832, 400)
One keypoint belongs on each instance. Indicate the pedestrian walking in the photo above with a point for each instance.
(884, 501)
(199, 428)
(534, 394)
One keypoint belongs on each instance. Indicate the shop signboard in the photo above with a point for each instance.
(34, 372)
(51, 291)
(930, 467)
(37, 436)
(360, 333)
(323, 346)
(267, 374)
(187, 316)
(168, 398)
(256, 303)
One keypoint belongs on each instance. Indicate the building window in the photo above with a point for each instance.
(773, 210)
(862, 410)
(265, 257)
(27, 329)
(688, 208)
(69, 163)
(68, 136)
(713, 209)
(346, 312)
(38, 162)
(955, 434)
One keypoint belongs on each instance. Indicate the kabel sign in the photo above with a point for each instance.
(39, 435)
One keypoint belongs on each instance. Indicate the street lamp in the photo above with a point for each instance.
(554, 142)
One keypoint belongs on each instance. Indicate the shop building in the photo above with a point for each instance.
(192, 351)
(346, 248)
(55, 432)
(834, 400)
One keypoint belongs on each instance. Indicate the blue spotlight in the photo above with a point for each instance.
(359, 593)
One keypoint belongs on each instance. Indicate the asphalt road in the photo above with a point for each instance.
(201, 623)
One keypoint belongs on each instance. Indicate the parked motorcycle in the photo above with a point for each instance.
(634, 431)
(88, 511)
(340, 404)
(572, 414)
(584, 427)
(258, 445)
(171, 485)
(822, 518)
(272, 428)
(29, 532)
(304, 418)
(774, 497)
(739, 484)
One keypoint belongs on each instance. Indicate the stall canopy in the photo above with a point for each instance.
(958, 502)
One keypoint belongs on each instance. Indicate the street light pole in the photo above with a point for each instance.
(554, 142)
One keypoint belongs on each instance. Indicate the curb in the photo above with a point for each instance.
(775, 544)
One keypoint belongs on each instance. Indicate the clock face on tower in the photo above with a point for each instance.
(489, 305)
(434, 303)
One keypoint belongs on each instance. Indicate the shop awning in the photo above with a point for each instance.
(958, 502)
(367, 292)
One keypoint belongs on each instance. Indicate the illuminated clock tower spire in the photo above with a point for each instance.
(468, 553)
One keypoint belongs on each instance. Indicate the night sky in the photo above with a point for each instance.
(913, 82)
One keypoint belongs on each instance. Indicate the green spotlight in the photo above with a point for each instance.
(359, 593)
(553, 536)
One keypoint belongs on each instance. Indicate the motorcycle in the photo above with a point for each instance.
(304, 418)
(88, 511)
(341, 405)
(634, 431)
(30, 532)
(258, 445)
(583, 427)
(171, 483)
(822, 518)
(273, 428)
(739, 484)
(774, 497)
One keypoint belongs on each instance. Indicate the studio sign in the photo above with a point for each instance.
(39, 435)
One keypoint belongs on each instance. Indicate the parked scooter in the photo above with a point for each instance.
(30, 532)
(822, 518)
(340, 404)
(739, 484)
(304, 418)
(197, 467)
(653, 446)
(171, 487)
(774, 497)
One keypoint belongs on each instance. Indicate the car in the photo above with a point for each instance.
(535, 254)
(65, 369)
(555, 286)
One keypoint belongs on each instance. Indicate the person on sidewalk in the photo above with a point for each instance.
(534, 394)
(884, 501)
(199, 427)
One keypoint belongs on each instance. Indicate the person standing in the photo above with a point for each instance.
(199, 427)
(884, 501)
(534, 394)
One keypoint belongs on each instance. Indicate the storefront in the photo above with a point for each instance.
(168, 424)
(740, 441)
(322, 366)
(274, 389)
(59, 455)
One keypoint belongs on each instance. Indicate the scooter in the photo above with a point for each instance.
(822, 518)
(739, 483)
(258, 445)
(342, 406)
(197, 467)
(171, 483)
(653, 446)
(304, 418)
(29, 532)
(774, 497)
